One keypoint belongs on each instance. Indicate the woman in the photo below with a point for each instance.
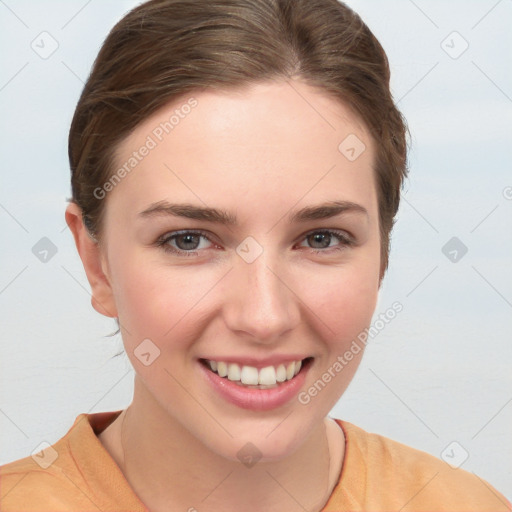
(236, 169)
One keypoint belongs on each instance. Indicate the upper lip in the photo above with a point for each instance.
(258, 362)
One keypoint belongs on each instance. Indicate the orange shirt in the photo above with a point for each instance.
(378, 474)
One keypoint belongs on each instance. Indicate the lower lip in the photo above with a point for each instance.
(253, 398)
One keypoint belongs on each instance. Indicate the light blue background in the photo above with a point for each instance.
(440, 372)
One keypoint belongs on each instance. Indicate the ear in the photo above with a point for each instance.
(94, 262)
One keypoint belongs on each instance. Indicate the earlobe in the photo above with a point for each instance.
(93, 260)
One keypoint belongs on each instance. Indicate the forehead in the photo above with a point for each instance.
(275, 141)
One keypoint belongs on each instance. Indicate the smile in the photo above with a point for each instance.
(269, 376)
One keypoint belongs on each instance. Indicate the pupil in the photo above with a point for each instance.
(321, 238)
(189, 239)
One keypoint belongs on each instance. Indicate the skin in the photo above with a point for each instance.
(260, 153)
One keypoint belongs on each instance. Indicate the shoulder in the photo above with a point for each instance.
(405, 478)
(39, 482)
(74, 474)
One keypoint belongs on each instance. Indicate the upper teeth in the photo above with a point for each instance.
(250, 375)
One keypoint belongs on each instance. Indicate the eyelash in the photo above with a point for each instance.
(162, 242)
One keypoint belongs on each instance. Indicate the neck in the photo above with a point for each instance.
(165, 464)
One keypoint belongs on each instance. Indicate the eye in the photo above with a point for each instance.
(187, 243)
(323, 239)
(184, 242)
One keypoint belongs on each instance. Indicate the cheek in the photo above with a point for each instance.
(342, 309)
(153, 299)
(343, 299)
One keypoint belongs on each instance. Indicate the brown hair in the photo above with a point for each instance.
(164, 49)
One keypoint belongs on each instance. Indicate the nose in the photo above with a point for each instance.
(261, 303)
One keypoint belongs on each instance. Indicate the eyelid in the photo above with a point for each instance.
(178, 232)
(341, 233)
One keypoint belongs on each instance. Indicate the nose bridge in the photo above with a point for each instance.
(260, 303)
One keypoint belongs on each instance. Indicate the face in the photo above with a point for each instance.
(244, 235)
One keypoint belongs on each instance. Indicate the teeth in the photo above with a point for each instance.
(281, 373)
(267, 376)
(251, 376)
(290, 371)
(233, 371)
(222, 369)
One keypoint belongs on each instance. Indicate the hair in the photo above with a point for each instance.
(165, 49)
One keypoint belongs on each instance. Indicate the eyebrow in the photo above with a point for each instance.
(322, 211)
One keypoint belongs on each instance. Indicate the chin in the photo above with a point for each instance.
(268, 440)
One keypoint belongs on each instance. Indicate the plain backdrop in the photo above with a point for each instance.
(437, 376)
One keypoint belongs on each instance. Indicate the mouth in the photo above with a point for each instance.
(268, 377)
